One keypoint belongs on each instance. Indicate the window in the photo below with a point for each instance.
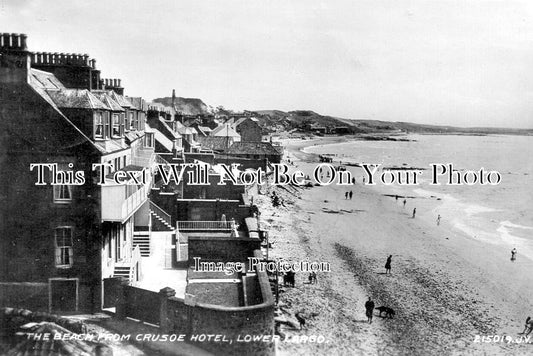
(64, 251)
(132, 122)
(122, 124)
(115, 125)
(149, 140)
(107, 127)
(62, 193)
(98, 125)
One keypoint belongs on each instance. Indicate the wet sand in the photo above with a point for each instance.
(445, 286)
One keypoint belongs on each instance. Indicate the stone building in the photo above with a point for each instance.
(249, 129)
(61, 241)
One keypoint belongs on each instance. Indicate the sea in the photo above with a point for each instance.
(499, 214)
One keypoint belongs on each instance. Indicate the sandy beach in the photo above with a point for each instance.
(448, 289)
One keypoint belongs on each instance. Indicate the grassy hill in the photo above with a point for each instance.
(187, 106)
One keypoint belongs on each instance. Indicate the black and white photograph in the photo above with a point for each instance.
(266, 177)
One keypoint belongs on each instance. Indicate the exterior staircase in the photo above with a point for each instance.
(161, 220)
(123, 271)
(142, 239)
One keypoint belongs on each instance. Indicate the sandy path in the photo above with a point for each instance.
(445, 287)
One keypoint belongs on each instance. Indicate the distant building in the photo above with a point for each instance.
(226, 130)
(262, 151)
(217, 144)
(249, 129)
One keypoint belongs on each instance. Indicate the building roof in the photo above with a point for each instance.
(104, 97)
(215, 143)
(253, 148)
(108, 146)
(163, 140)
(46, 80)
(240, 121)
(166, 127)
(185, 130)
(138, 102)
(46, 137)
(205, 128)
(122, 101)
(155, 106)
(76, 99)
(224, 130)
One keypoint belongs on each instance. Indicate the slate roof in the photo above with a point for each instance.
(224, 130)
(122, 101)
(215, 143)
(253, 148)
(46, 80)
(163, 140)
(76, 99)
(138, 102)
(47, 136)
(104, 97)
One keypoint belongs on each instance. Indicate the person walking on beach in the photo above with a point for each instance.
(414, 212)
(346, 195)
(388, 264)
(350, 195)
(404, 201)
(513, 254)
(369, 306)
(438, 220)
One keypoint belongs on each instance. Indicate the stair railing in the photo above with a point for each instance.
(161, 213)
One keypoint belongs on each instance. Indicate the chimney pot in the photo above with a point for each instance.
(5, 39)
(14, 40)
(23, 39)
(93, 63)
(119, 82)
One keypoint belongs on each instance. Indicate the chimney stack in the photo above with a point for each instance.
(15, 67)
(173, 98)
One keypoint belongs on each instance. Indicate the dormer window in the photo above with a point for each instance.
(115, 125)
(149, 140)
(132, 122)
(98, 125)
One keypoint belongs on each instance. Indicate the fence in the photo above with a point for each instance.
(190, 317)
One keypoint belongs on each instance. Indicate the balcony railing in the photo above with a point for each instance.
(206, 225)
(119, 202)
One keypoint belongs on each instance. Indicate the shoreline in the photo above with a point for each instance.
(445, 287)
(485, 222)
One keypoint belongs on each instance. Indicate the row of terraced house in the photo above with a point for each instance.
(73, 247)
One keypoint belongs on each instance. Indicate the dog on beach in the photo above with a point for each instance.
(300, 319)
(389, 312)
(528, 327)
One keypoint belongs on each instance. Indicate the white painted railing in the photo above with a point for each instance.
(206, 225)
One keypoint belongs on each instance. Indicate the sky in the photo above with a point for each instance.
(462, 63)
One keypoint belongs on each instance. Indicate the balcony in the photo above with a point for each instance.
(120, 201)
